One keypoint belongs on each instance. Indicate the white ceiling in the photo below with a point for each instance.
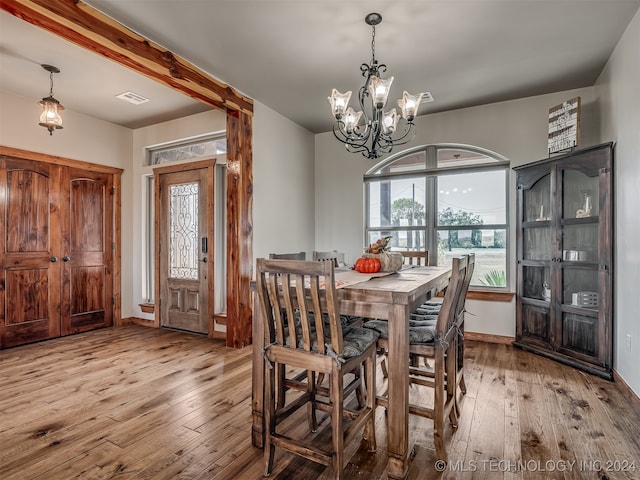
(289, 54)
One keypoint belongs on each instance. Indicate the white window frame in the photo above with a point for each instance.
(430, 173)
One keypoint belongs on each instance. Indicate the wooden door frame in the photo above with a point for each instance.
(89, 28)
(117, 215)
(183, 167)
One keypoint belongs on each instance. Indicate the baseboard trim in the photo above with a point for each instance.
(620, 381)
(488, 338)
(137, 321)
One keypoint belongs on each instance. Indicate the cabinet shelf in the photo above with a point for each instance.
(587, 311)
(536, 224)
(579, 221)
(564, 264)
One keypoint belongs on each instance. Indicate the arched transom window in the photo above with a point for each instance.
(448, 199)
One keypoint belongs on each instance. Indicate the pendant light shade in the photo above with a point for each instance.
(50, 117)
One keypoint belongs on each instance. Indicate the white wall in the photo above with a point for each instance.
(283, 185)
(619, 97)
(82, 138)
(516, 129)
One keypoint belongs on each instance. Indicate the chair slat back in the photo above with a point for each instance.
(335, 256)
(288, 256)
(412, 257)
(462, 297)
(447, 316)
(293, 295)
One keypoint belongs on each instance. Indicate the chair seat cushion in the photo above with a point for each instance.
(428, 310)
(423, 317)
(431, 303)
(419, 333)
(357, 340)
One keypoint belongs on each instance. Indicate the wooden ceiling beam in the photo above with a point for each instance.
(89, 28)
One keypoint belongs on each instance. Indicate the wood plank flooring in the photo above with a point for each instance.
(140, 403)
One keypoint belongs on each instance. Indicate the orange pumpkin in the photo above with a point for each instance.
(367, 265)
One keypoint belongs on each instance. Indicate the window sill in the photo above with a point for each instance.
(491, 295)
(147, 307)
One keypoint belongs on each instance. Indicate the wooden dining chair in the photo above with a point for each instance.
(415, 257)
(288, 256)
(436, 339)
(337, 257)
(430, 311)
(410, 257)
(303, 330)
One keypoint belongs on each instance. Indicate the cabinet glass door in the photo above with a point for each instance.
(537, 201)
(579, 194)
(580, 238)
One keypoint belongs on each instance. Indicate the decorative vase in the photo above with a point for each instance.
(389, 261)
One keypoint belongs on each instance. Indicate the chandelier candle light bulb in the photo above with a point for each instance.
(375, 137)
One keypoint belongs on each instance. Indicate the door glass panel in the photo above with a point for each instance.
(183, 231)
(537, 243)
(580, 243)
(580, 194)
(536, 283)
(537, 201)
(580, 287)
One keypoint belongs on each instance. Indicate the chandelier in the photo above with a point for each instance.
(375, 136)
(50, 117)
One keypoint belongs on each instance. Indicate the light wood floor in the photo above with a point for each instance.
(139, 403)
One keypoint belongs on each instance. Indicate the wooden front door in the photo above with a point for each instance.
(56, 250)
(87, 250)
(185, 249)
(29, 249)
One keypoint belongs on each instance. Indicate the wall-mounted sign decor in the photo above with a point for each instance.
(564, 126)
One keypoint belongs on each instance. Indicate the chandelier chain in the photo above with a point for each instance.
(373, 43)
(51, 84)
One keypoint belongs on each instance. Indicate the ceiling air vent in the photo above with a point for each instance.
(427, 97)
(132, 98)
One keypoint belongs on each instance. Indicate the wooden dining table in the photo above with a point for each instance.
(392, 297)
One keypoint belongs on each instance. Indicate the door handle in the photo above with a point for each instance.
(66, 258)
(204, 260)
(54, 259)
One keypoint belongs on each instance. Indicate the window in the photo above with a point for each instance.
(194, 149)
(448, 199)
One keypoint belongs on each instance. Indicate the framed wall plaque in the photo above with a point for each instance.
(564, 126)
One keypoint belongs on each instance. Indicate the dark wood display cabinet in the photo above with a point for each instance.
(565, 260)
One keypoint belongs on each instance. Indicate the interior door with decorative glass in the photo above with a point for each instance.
(185, 249)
